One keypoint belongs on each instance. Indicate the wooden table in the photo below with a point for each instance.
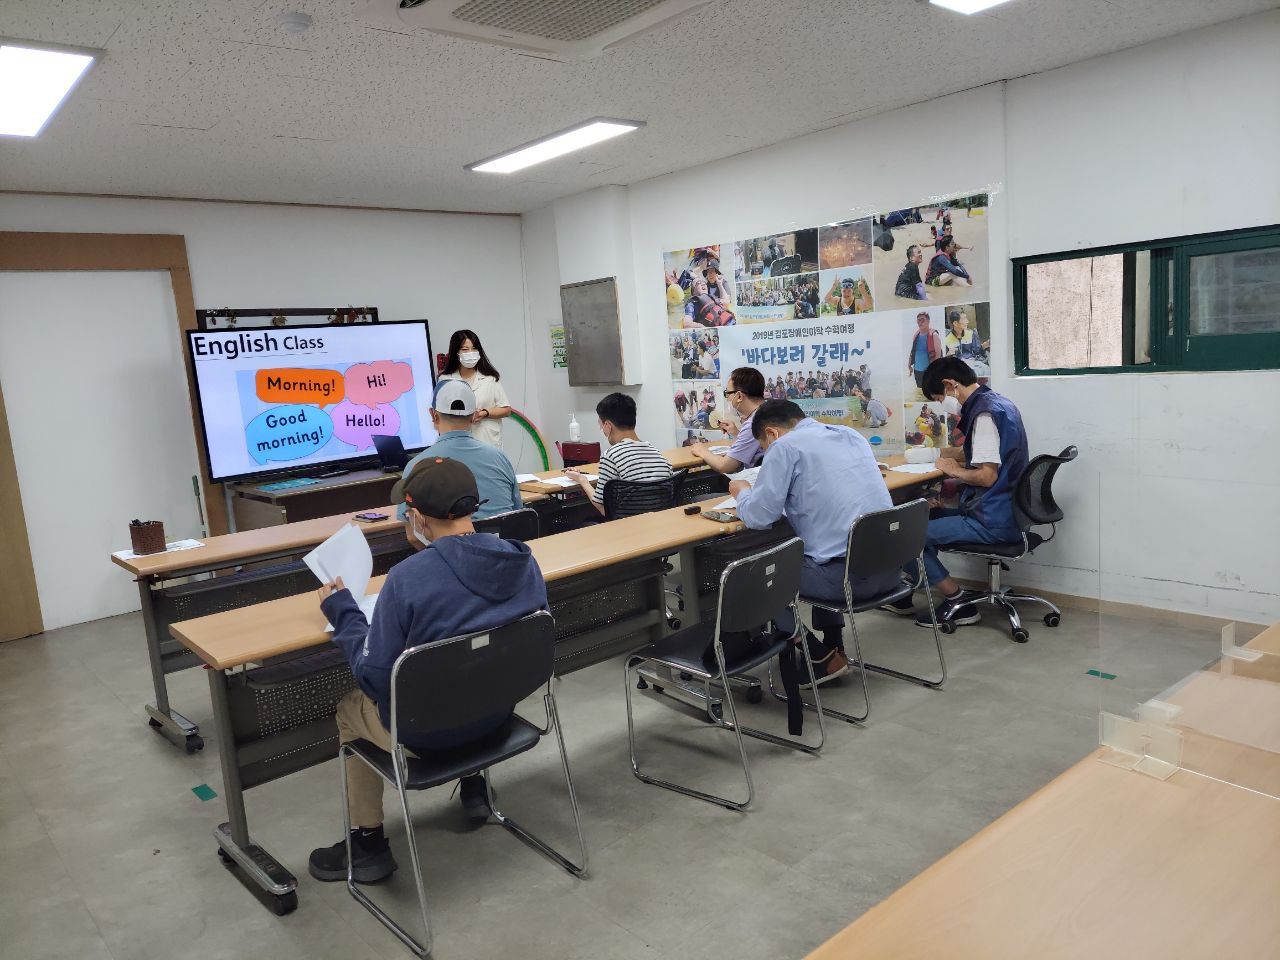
(253, 504)
(1101, 863)
(679, 457)
(275, 679)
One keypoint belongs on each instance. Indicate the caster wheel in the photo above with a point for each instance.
(755, 694)
(285, 903)
(657, 689)
(154, 723)
(686, 677)
(225, 857)
(680, 605)
(717, 711)
(195, 743)
(642, 684)
(947, 628)
(1052, 619)
(1021, 636)
(673, 623)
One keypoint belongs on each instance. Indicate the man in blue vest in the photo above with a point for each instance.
(994, 457)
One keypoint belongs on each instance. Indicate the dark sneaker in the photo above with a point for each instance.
(474, 802)
(372, 860)
(905, 607)
(835, 664)
(958, 611)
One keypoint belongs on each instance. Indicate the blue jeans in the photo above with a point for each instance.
(948, 526)
(825, 581)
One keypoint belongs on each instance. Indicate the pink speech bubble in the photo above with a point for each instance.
(379, 382)
(356, 424)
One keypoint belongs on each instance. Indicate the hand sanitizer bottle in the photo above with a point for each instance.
(575, 430)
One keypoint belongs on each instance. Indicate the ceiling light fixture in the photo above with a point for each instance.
(35, 79)
(584, 134)
(968, 6)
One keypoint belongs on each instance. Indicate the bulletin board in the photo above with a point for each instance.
(841, 318)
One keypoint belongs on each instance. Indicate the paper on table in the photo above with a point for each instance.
(168, 548)
(914, 468)
(568, 482)
(729, 504)
(346, 554)
(526, 478)
(366, 605)
(720, 450)
(748, 474)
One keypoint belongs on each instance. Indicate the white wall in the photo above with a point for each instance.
(1176, 137)
(96, 445)
(454, 270)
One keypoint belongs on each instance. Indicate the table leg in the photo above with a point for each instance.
(168, 722)
(275, 884)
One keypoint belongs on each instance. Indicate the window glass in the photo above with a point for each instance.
(1236, 292)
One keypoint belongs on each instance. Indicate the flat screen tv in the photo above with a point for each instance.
(288, 399)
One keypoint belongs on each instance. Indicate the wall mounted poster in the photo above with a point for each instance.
(842, 318)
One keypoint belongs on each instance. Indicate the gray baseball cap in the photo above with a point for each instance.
(454, 398)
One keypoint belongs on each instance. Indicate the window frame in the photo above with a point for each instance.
(1171, 344)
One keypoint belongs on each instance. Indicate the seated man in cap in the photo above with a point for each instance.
(452, 405)
(459, 583)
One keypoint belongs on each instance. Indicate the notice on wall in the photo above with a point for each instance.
(841, 318)
(559, 357)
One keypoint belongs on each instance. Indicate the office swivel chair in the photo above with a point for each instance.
(1033, 506)
(438, 687)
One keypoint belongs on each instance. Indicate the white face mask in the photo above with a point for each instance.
(469, 358)
(421, 537)
(951, 406)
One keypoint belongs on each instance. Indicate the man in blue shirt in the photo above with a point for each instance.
(822, 478)
(453, 405)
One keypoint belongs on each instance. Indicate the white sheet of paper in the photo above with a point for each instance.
(346, 554)
(366, 605)
(526, 478)
(720, 450)
(168, 548)
(748, 474)
(729, 504)
(914, 468)
(567, 482)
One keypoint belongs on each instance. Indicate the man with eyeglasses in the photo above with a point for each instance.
(744, 394)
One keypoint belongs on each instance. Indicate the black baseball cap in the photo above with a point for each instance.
(439, 487)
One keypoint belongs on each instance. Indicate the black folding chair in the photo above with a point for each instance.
(880, 543)
(438, 687)
(752, 592)
(1033, 505)
(624, 498)
(519, 524)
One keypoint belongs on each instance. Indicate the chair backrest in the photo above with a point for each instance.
(755, 588)
(1033, 501)
(575, 454)
(887, 539)
(623, 498)
(448, 684)
(519, 524)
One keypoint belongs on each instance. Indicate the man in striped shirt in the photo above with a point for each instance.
(628, 458)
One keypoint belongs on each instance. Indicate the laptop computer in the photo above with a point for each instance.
(391, 452)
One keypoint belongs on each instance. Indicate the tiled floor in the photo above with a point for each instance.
(107, 853)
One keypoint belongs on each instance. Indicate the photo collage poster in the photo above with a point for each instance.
(841, 318)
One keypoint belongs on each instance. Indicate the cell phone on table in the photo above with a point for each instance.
(370, 517)
(720, 516)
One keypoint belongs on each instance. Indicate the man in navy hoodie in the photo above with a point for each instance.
(459, 582)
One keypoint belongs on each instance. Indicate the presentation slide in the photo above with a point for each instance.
(281, 398)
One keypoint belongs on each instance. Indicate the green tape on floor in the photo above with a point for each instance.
(1098, 673)
(204, 792)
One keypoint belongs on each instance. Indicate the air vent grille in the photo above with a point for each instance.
(563, 20)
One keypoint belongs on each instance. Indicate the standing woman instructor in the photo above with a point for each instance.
(467, 362)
